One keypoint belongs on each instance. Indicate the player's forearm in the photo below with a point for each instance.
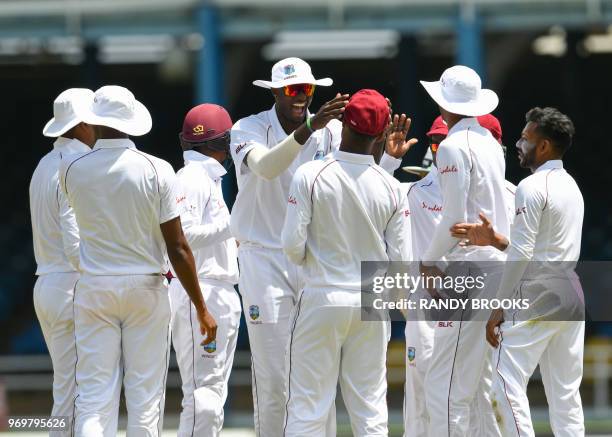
(182, 261)
(269, 163)
(206, 235)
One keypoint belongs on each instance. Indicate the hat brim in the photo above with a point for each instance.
(486, 102)
(326, 81)
(55, 128)
(138, 125)
(413, 169)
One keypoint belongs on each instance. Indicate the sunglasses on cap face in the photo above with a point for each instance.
(434, 147)
(294, 90)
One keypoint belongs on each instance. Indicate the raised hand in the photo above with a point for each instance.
(396, 144)
(330, 110)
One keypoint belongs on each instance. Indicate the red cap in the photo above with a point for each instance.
(367, 112)
(491, 123)
(438, 127)
(206, 122)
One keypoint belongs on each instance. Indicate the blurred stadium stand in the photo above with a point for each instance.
(174, 54)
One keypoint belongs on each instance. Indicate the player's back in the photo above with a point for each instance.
(44, 211)
(486, 166)
(118, 194)
(45, 208)
(353, 201)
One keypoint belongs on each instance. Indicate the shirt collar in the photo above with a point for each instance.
(463, 124)
(549, 165)
(214, 169)
(115, 143)
(70, 145)
(355, 158)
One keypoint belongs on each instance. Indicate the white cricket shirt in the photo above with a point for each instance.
(425, 206)
(471, 171)
(205, 218)
(547, 225)
(54, 230)
(259, 210)
(342, 211)
(120, 196)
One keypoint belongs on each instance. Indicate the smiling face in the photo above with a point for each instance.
(292, 109)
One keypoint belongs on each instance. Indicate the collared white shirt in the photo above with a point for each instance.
(54, 230)
(120, 196)
(342, 211)
(471, 171)
(259, 210)
(205, 218)
(547, 225)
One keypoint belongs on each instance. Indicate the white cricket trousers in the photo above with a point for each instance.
(331, 343)
(459, 377)
(53, 296)
(205, 370)
(419, 347)
(558, 347)
(269, 286)
(122, 327)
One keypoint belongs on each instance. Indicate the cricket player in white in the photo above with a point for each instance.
(56, 246)
(471, 171)
(342, 211)
(267, 148)
(205, 371)
(547, 228)
(127, 208)
(425, 201)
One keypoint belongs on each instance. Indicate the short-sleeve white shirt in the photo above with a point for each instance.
(120, 197)
(259, 210)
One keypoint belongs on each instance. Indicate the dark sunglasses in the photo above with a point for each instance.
(294, 90)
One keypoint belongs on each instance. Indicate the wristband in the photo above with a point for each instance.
(309, 126)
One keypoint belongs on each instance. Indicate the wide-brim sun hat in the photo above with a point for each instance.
(291, 71)
(116, 107)
(460, 91)
(69, 109)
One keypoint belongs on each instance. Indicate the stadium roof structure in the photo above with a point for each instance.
(249, 19)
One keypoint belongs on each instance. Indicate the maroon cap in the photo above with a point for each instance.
(491, 123)
(367, 112)
(438, 127)
(206, 122)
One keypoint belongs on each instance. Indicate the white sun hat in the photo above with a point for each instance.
(68, 110)
(116, 107)
(459, 91)
(291, 71)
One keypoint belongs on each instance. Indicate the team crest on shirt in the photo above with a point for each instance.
(210, 347)
(254, 312)
(411, 354)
